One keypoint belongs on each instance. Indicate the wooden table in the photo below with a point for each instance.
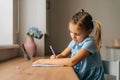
(19, 69)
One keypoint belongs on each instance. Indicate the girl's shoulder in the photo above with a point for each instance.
(89, 44)
(89, 39)
(72, 44)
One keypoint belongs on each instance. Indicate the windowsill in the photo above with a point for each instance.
(2, 47)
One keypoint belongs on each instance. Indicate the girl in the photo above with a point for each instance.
(85, 49)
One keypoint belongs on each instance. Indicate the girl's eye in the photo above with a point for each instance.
(76, 34)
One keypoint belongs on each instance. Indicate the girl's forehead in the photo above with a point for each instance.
(74, 27)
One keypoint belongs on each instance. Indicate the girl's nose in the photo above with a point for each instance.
(73, 36)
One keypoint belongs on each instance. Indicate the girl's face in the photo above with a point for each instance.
(77, 34)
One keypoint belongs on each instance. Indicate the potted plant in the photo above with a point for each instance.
(29, 46)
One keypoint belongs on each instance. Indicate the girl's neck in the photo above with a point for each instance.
(83, 39)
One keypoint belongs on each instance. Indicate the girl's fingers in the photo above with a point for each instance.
(52, 57)
(36, 62)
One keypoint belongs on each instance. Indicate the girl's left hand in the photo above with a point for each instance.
(41, 61)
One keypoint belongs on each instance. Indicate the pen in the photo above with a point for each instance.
(52, 51)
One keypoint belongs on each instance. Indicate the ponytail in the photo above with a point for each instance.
(97, 35)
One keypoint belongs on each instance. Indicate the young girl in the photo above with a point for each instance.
(85, 49)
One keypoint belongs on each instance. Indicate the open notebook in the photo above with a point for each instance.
(46, 65)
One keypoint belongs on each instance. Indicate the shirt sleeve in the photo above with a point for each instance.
(90, 46)
(71, 44)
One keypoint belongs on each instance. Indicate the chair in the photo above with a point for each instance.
(112, 68)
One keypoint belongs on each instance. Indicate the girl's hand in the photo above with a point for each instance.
(42, 61)
(37, 61)
(53, 57)
(56, 57)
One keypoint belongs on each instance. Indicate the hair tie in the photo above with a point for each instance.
(93, 20)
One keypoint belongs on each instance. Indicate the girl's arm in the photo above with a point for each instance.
(65, 61)
(59, 61)
(79, 56)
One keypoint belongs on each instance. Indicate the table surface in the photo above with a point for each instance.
(20, 69)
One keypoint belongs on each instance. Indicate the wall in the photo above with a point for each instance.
(32, 13)
(106, 11)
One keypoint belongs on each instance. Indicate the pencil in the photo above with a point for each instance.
(53, 52)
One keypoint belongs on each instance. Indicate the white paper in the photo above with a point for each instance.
(46, 65)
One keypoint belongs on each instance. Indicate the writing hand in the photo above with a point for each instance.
(53, 57)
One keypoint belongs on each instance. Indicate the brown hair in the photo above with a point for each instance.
(84, 19)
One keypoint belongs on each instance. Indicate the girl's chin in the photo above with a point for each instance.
(76, 41)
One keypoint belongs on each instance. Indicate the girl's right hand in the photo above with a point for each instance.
(57, 56)
(53, 57)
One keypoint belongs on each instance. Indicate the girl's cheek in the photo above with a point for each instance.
(71, 36)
